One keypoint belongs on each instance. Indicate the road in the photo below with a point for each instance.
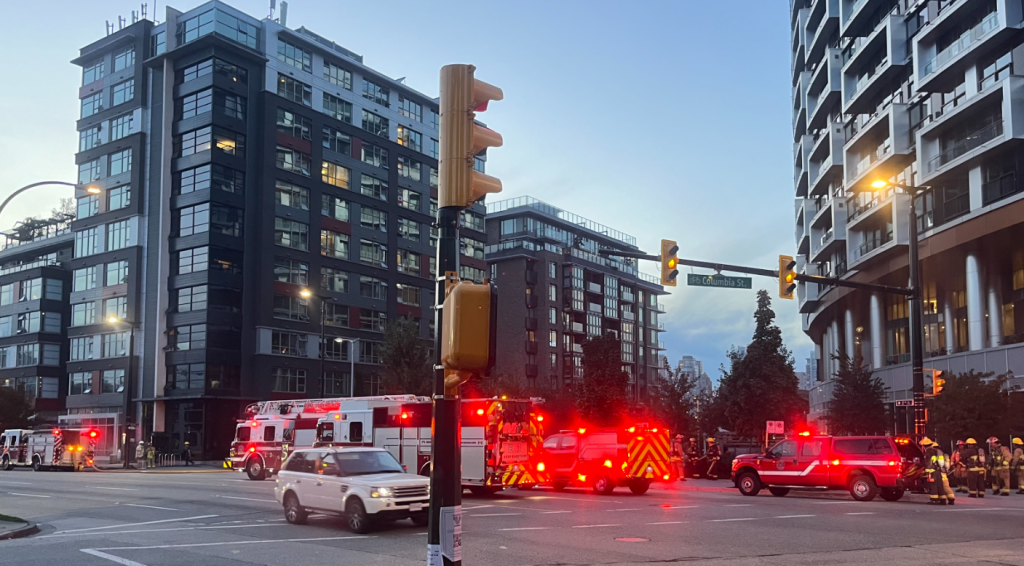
(101, 519)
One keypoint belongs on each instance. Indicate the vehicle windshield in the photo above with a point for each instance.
(363, 463)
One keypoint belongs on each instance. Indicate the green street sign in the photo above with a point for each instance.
(697, 280)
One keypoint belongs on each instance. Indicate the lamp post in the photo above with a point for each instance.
(91, 189)
(129, 380)
(305, 294)
(916, 315)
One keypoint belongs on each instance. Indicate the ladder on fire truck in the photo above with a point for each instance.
(300, 406)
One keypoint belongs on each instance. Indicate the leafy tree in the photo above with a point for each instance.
(760, 384)
(971, 404)
(708, 413)
(405, 367)
(858, 400)
(601, 399)
(670, 400)
(15, 410)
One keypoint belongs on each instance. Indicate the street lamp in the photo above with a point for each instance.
(305, 294)
(129, 380)
(91, 189)
(916, 316)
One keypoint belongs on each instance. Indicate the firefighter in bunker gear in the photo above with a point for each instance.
(692, 455)
(1000, 457)
(975, 461)
(959, 467)
(151, 455)
(713, 455)
(1017, 463)
(140, 453)
(936, 467)
(677, 458)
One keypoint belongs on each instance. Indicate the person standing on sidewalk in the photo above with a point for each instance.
(713, 454)
(140, 453)
(186, 454)
(974, 458)
(151, 455)
(1017, 463)
(676, 458)
(1000, 458)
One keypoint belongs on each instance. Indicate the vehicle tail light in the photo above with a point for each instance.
(892, 462)
(665, 477)
(405, 415)
(607, 463)
(541, 467)
(479, 412)
(581, 477)
(89, 461)
(631, 429)
(582, 431)
(835, 462)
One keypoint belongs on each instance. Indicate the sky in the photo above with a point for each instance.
(662, 119)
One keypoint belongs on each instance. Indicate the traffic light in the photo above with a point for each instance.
(468, 344)
(462, 96)
(933, 382)
(669, 263)
(787, 276)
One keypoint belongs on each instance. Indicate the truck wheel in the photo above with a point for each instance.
(639, 487)
(425, 470)
(749, 483)
(779, 491)
(8, 466)
(294, 513)
(525, 486)
(36, 464)
(420, 519)
(863, 487)
(483, 490)
(255, 470)
(559, 485)
(355, 512)
(891, 493)
(603, 485)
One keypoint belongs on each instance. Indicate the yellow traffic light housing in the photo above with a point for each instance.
(787, 277)
(669, 263)
(462, 96)
(933, 382)
(470, 313)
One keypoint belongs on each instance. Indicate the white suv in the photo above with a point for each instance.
(363, 484)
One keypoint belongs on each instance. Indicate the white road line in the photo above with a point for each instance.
(150, 507)
(15, 482)
(738, 505)
(135, 524)
(834, 502)
(553, 512)
(526, 529)
(496, 515)
(616, 510)
(476, 507)
(681, 507)
(27, 495)
(865, 513)
(982, 509)
(730, 520)
(247, 499)
(113, 488)
(228, 543)
(250, 526)
(111, 557)
(593, 526)
(668, 523)
(792, 516)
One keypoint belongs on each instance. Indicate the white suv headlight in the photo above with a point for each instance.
(382, 492)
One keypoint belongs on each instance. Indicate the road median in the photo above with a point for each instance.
(13, 527)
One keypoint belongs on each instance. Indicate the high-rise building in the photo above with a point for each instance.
(691, 366)
(247, 261)
(925, 94)
(555, 292)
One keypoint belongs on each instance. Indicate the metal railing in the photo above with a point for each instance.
(870, 159)
(872, 244)
(530, 202)
(971, 142)
(959, 46)
(165, 460)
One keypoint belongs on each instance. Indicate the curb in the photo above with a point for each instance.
(30, 528)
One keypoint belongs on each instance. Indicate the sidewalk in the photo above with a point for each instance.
(13, 527)
(207, 467)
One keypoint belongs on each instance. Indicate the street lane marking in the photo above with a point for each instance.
(739, 505)
(681, 507)
(113, 488)
(553, 512)
(111, 557)
(228, 543)
(982, 509)
(27, 495)
(526, 529)
(476, 507)
(250, 526)
(860, 513)
(16, 482)
(593, 526)
(729, 520)
(834, 502)
(248, 499)
(792, 516)
(134, 524)
(150, 507)
(616, 510)
(668, 523)
(496, 515)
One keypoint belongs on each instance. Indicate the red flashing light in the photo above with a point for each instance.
(805, 433)
(665, 477)
(93, 434)
(252, 449)
(56, 431)
(541, 467)
(639, 438)
(607, 463)
(479, 412)
(337, 417)
(654, 430)
(581, 477)
(255, 423)
(892, 462)
(540, 418)
(582, 431)
(835, 462)
(405, 415)
(89, 461)
(631, 429)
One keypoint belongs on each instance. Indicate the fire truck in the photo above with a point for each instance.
(65, 449)
(604, 458)
(272, 429)
(501, 439)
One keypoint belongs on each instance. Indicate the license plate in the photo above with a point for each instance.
(415, 507)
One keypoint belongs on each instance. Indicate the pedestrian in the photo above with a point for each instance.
(974, 459)
(151, 455)
(186, 455)
(1000, 458)
(959, 467)
(713, 454)
(934, 466)
(692, 455)
(1017, 463)
(676, 458)
(140, 452)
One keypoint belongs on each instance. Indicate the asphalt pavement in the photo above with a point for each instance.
(199, 519)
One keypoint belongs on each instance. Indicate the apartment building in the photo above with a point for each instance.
(265, 209)
(925, 93)
(555, 292)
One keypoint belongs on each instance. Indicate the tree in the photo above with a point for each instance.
(760, 384)
(601, 399)
(15, 410)
(671, 401)
(405, 367)
(858, 400)
(708, 413)
(970, 405)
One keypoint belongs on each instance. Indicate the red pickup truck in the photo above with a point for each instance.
(865, 465)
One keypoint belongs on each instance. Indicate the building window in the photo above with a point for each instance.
(158, 42)
(193, 260)
(81, 383)
(410, 138)
(434, 119)
(294, 56)
(92, 104)
(121, 126)
(294, 90)
(369, 352)
(337, 76)
(432, 241)
(337, 108)
(479, 164)
(83, 279)
(472, 248)
(333, 280)
(115, 307)
(288, 343)
(553, 338)
(291, 234)
(408, 168)
(291, 308)
(112, 381)
(553, 315)
(187, 376)
(86, 242)
(433, 178)
(120, 162)
(373, 288)
(229, 142)
(375, 155)
(83, 314)
(373, 253)
(472, 220)
(433, 207)
(293, 161)
(93, 72)
(370, 319)
(996, 71)
(288, 380)
(192, 298)
(294, 196)
(124, 58)
(89, 171)
(336, 383)
(117, 235)
(291, 271)
(28, 323)
(375, 124)
(195, 104)
(408, 294)
(219, 22)
(119, 197)
(337, 141)
(334, 174)
(30, 290)
(223, 377)
(433, 149)
(409, 199)
(189, 337)
(123, 92)
(409, 229)
(89, 138)
(333, 244)
(373, 187)
(408, 262)
(410, 109)
(194, 219)
(81, 348)
(293, 124)
(193, 72)
(552, 293)
(194, 142)
(115, 345)
(334, 208)
(375, 93)
(88, 206)
(373, 218)
(230, 105)
(471, 273)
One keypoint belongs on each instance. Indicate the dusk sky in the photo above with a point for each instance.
(665, 119)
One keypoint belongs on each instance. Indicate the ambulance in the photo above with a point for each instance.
(604, 458)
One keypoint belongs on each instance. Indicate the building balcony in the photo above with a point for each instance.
(531, 347)
(871, 69)
(868, 159)
(531, 370)
(826, 161)
(825, 89)
(593, 287)
(576, 327)
(657, 307)
(885, 228)
(800, 106)
(822, 22)
(804, 208)
(594, 308)
(855, 16)
(807, 294)
(998, 360)
(798, 43)
(828, 230)
(801, 164)
(531, 323)
(940, 70)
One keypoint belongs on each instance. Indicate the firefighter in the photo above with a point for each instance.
(934, 464)
(692, 455)
(140, 453)
(974, 459)
(151, 455)
(1000, 458)
(186, 454)
(959, 467)
(713, 455)
(1017, 463)
(677, 458)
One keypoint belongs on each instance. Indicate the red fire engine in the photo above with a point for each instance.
(47, 449)
(604, 458)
